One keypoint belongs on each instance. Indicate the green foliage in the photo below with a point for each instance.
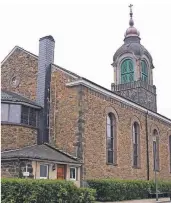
(43, 191)
(118, 190)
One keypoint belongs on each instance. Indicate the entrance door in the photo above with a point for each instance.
(60, 172)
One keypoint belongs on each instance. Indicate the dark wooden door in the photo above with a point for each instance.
(60, 172)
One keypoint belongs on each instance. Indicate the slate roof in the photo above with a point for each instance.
(7, 96)
(43, 152)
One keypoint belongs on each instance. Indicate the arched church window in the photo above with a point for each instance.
(127, 71)
(136, 144)
(155, 150)
(144, 71)
(110, 138)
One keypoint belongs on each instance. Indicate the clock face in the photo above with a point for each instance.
(14, 81)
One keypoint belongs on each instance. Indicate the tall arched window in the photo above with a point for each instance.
(111, 123)
(136, 144)
(155, 150)
(144, 71)
(170, 151)
(127, 71)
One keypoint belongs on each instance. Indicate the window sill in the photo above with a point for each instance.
(17, 124)
(156, 170)
(136, 167)
(112, 164)
(72, 179)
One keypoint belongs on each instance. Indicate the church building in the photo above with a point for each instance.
(56, 124)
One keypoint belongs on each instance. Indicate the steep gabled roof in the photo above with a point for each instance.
(7, 96)
(44, 152)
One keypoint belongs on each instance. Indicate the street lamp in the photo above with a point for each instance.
(155, 163)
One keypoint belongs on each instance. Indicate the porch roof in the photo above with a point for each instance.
(44, 152)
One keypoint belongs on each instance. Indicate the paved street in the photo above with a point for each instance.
(161, 200)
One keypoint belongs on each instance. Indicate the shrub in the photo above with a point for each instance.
(117, 190)
(43, 191)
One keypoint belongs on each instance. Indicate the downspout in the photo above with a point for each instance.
(147, 147)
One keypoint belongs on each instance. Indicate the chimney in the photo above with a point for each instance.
(45, 59)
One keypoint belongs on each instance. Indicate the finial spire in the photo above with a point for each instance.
(131, 22)
(130, 6)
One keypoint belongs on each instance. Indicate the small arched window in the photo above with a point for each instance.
(155, 150)
(170, 151)
(136, 144)
(127, 71)
(110, 138)
(144, 71)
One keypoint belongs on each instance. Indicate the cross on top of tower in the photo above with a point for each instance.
(131, 22)
(130, 6)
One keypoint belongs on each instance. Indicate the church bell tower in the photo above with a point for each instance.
(133, 70)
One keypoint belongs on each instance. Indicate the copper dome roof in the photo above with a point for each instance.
(132, 43)
(133, 47)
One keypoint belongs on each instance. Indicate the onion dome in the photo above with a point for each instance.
(131, 31)
(132, 42)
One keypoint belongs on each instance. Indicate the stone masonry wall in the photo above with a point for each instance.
(14, 168)
(63, 112)
(23, 66)
(13, 137)
(79, 117)
(94, 116)
(164, 151)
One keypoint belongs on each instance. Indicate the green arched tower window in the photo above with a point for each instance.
(127, 71)
(144, 71)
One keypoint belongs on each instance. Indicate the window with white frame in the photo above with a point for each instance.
(73, 173)
(44, 171)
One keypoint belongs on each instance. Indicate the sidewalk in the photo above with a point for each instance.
(161, 200)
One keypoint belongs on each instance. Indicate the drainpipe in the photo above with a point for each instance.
(147, 147)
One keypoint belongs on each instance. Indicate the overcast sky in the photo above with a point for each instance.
(87, 34)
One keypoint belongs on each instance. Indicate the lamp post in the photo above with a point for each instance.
(155, 164)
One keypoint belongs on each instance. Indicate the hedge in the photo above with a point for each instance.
(44, 191)
(118, 190)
